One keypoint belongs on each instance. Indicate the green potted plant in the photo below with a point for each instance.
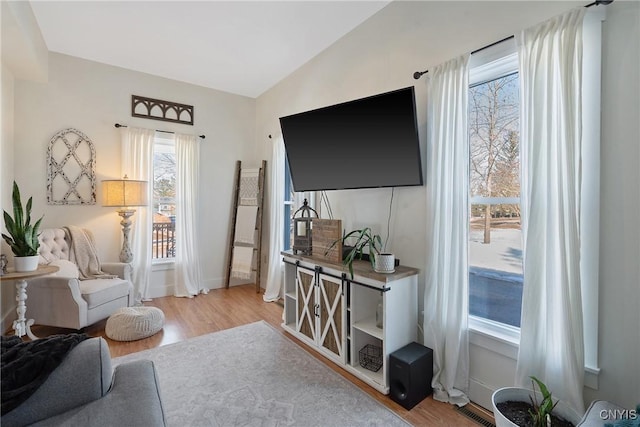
(516, 406)
(359, 242)
(22, 237)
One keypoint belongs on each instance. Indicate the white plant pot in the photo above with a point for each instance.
(518, 394)
(385, 263)
(23, 264)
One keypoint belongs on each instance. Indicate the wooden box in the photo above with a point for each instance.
(324, 232)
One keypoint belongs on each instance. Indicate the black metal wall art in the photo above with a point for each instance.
(157, 109)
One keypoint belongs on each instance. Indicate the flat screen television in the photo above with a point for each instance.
(367, 143)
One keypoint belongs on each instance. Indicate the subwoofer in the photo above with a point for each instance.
(410, 373)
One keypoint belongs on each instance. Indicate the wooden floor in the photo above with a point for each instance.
(240, 305)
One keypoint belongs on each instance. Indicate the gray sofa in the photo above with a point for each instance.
(84, 390)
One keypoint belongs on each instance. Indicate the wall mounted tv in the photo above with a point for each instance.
(367, 143)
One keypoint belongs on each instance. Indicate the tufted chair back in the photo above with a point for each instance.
(53, 245)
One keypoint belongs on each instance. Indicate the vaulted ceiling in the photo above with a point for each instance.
(242, 47)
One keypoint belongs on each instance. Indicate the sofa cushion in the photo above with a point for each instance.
(83, 376)
(27, 365)
(99, 291)
(66, 269)
(53, 245)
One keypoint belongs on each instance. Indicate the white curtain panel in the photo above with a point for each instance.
(276, 221)
(551, 337)
(187, 273)
(446, 299)
(137, 163)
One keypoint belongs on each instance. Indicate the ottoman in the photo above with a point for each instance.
(134, 323)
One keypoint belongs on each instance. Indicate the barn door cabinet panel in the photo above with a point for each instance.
(347, 318)
(319, 311)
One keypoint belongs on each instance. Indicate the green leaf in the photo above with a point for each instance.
(23, 237)
(9, 224)
(17, 208)
(28, 211)
(543, 388)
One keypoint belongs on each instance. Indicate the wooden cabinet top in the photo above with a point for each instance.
(360, 268)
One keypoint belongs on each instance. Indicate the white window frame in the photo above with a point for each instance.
(505, 339)
(162, 139)
(288, 213)
(484, 66)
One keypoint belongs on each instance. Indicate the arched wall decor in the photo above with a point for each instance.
(71, 160)
(157, 109)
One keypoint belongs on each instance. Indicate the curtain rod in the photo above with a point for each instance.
(419, 74)
(118, 125)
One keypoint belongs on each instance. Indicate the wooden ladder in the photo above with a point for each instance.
(257, 248)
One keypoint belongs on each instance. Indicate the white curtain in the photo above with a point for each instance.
(137, 163)
(276, 221)
(446, 298)
(551, 337)
(187, 273)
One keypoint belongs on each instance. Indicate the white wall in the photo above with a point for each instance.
(24, 54)
(619, 332)
(7, 294)
(92, 97)
(382, 55)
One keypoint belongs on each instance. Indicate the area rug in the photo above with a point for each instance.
(252, 375)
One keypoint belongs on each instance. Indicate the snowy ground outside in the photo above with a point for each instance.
(495, 275)
(504, 253)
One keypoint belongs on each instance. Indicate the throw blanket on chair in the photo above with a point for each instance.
(26, 365)
(83, 253)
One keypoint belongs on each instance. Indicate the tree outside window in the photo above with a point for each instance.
(164, 205)
(495, 246)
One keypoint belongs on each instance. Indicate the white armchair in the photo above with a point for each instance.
(65, 301)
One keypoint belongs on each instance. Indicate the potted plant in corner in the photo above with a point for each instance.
(516, 406)
(23, 237)
(359, 242)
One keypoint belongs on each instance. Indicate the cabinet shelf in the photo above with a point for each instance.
(376, 377)
(350, 312)
(368, 326)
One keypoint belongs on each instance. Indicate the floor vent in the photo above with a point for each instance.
(475, 417)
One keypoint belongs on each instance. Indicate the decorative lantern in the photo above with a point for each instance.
(302, 229)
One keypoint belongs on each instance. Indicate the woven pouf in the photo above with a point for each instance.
(134, 323)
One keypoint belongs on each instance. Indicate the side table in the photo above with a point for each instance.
(21, 325)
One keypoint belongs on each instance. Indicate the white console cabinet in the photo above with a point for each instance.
(336, 314)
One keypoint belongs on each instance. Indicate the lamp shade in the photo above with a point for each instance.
(124, 192)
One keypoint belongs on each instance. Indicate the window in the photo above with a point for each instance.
(289, 197)
(164, 203)
(495, 234)
(292, 202)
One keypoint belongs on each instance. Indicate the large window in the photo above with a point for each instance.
(495, 235)
(164, 204)
(289, 197)
(292, 202)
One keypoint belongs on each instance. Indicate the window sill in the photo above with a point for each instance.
(501, 339)
(163, 264)
(505, 340)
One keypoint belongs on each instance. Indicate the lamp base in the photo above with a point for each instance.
(125, 254)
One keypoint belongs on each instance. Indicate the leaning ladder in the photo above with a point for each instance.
(257, 247)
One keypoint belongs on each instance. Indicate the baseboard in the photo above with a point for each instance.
(160, 291)
(481, 394)
(167, 289)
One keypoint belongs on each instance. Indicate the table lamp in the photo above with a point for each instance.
(124, 194)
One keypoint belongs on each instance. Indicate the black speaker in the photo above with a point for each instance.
(410, 373)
